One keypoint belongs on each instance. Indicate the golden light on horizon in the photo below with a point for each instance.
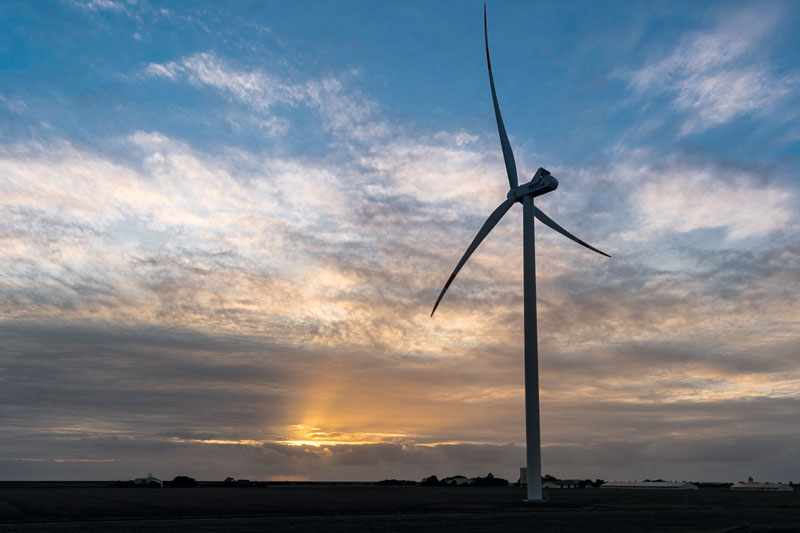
(317, 436)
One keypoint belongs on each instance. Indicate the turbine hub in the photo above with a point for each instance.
(542, 183)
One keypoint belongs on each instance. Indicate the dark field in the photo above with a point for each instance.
(382, 508)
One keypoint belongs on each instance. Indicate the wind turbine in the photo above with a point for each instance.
(541, 183)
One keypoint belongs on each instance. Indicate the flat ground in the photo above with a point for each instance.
(391, 508)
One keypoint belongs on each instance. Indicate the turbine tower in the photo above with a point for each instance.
(541, 183)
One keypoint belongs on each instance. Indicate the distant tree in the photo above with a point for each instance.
(431, 481)
(489, 481)
(396, 482)
(183, 481)
(598, 483)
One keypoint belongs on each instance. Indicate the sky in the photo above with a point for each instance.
(223, 228)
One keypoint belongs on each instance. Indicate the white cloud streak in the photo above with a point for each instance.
(99, 5)
(343, 113)
(721, 74)
(683, 198)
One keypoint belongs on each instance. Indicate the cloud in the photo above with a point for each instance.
(169, 70)
(344, 112)
(683, 198)
(718, 75)
(111, 393)
(205, 69)
(13, 105)
(99, 5)
(265, 312)
(246, 245)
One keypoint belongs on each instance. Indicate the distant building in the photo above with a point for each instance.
(523, 476)
(649, 485)
(457, 480)
(148, 480)
(763, 487)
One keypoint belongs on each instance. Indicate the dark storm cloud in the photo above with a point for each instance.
(728, 273)
(86, 377)
(632, 292)
(141, 398)
(147, 375)
(664, 448)
(683, 440)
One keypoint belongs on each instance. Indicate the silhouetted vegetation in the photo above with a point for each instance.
(230, 482)
(571, 483)
(181, 481)
(489, 481)
(463, 481)
(396, 482)
(712, 485)
(431, 481)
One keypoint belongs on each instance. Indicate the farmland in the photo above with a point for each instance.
(87, 507)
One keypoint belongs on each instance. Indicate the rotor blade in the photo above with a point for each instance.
(547, 221)
(508, 155)
(490, 223)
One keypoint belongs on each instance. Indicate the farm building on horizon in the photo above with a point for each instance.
(764, 487)
(148, 481)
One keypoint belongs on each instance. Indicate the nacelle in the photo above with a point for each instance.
(542, 183)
